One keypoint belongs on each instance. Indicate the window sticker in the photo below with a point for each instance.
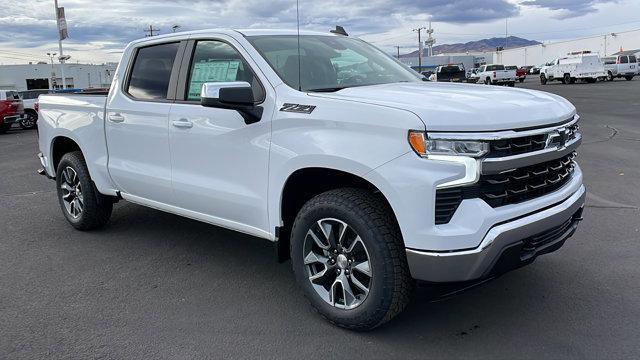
(211, 71)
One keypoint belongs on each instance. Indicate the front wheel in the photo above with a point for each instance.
(521, 80)
(30, 121)
(543, 79)
(511, 84)
(83, 206)
(348, 256)
(609, 76)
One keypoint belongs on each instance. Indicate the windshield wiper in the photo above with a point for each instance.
(329, 89)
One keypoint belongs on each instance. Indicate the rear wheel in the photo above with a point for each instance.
(30, 121)
(629, 78)
(521, 80)
(511, 84)
(83, 206)
(4, 128)
(487, 81)
(609, 76)
(566, 79)
(348, 256)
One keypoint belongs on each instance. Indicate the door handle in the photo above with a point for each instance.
(182, 123)
(116, 118)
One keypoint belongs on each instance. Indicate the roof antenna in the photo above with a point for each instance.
(339, 30)
(299, 57)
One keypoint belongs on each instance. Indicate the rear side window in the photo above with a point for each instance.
(632, 59)
(151, 72)
(624, 60)
(495, 67)
(12, 95)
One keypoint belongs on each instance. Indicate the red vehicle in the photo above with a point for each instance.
(11, 109)
(521, 73)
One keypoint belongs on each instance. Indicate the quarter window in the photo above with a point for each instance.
(632, 59)
(151, 72)
(217, 61)
(624, 60)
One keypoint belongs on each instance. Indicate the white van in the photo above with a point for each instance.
(621, 66)
(585, 66)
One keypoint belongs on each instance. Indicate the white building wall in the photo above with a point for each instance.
(604, 45)
(78, 75)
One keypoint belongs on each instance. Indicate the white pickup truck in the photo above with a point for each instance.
(585, 66)
(496, 74)
(367, 177)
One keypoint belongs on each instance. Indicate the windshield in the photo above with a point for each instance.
(329, 63)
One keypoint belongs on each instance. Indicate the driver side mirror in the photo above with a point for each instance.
(234, 95)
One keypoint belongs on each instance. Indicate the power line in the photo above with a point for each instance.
(150, 31)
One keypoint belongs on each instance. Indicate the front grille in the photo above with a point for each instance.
(517, 146)
(513, 187)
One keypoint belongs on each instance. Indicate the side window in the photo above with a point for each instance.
(632, 59)
(624, 60)
(217, 61)
(151, 72)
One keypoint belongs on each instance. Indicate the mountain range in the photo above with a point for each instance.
(477, 46)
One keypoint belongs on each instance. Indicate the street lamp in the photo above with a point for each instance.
(53, 74)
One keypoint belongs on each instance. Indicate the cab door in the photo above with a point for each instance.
(137, 123)
(219, 162)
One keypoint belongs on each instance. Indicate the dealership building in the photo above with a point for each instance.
(49, 76)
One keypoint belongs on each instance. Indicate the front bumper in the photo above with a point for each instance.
(506, 246)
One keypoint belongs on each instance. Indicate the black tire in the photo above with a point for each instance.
(629, 78)
(543, 79)
(487, 81)
(609, 76)
(521, 80)
(4, 128)
(371, 218)
(31, 121)
(511, 84)
(96, 208)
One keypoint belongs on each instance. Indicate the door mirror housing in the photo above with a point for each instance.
(234, 95)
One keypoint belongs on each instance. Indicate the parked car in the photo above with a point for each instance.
(473, 76)
(521, 74)
(366, 179)
(496, 74)
(450, 73)
(535, 70)
(584, 66)
(29, 99)
(619, 66)
(11, 109)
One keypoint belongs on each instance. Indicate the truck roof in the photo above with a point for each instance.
(234, 32)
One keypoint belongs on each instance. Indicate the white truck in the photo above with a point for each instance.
(496, 74)
(618, 66)
(585, 66)
(367, 177)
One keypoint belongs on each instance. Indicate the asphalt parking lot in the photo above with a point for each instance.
(154, 285)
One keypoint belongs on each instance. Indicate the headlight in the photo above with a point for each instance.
(425, 146)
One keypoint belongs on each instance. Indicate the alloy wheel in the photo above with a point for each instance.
(72, 192)
(29, 121)
(337, 263)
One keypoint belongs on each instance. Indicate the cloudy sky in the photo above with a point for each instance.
(99, 30)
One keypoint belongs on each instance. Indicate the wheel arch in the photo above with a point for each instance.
(61, 145)
(305, 183)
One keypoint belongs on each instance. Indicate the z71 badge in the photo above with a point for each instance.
(297, 108)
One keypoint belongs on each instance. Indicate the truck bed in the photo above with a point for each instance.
(80, 118)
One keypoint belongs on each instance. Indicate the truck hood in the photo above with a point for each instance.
(464, 107)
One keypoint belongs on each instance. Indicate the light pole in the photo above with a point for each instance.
(419, 31)
(62, 58)
(53, 73)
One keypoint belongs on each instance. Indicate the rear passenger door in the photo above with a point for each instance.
(137, 122)
(220, 163)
